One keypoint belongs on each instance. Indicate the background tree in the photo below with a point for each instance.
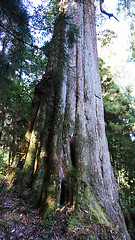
(119, 118)
(14, 32)
(133, 41)
(15, 102)
(21, 65)
(120, 122)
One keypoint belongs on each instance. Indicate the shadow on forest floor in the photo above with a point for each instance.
(19, 221)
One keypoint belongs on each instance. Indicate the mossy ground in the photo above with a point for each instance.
(20, 220)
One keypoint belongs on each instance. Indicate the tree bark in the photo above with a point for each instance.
(66, 156)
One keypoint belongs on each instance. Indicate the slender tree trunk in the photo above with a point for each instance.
(67, 159)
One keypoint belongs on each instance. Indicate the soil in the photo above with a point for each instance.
(20, 221)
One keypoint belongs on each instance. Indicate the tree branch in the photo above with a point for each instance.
(12, 34)
(104, 12)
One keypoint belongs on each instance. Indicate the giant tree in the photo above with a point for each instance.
(64, 153)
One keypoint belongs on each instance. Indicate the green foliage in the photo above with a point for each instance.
(120, 130)
(72, 34)
(48, 224)
(14, 33)
(126, 5)
(133, 41)
(49, 21)
(44, 17)
(15, 103)
(73, 222)
(15, 10)
(21, 65)
(106, 37)
(64, 33)
(3, 166)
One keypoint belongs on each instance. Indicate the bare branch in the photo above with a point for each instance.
(104, 12)
(12, 34)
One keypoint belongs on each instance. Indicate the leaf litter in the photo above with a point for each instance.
(19, 221)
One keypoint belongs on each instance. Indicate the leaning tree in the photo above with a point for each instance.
(64, 153)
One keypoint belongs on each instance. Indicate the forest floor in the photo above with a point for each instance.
(20, 221)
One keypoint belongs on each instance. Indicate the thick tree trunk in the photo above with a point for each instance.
(66, 155)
